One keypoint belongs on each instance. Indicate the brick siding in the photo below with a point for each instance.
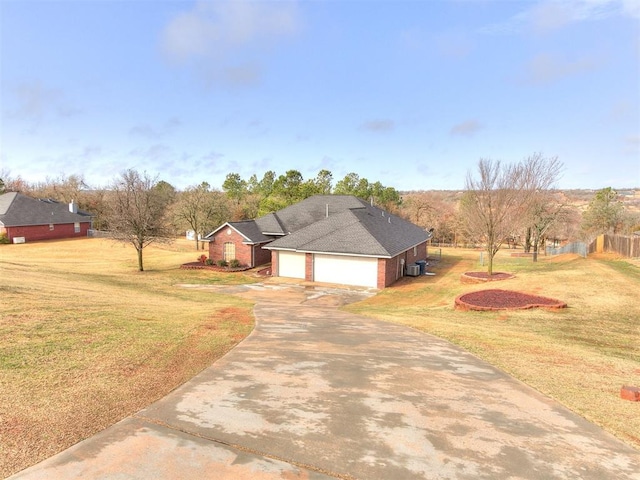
(390, 270)
(43, 232)
(251, 255)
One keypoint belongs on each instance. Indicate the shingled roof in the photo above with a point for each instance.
(250, 230)
(362, 230)
(340, 224)
(18, 210)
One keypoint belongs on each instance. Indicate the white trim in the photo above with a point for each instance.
(227, 224)
(327, 253)
(346, 254)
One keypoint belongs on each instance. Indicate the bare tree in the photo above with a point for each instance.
(431, 210)
(13, 184)
(545, 211)
(137, 212)
(496, 204)
(201, 209)
(63, 189)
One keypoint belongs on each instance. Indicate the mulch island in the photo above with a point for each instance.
(480, 277)
(204, 266)
(495, 299)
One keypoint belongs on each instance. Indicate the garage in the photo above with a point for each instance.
(291, 264)
(357, 271)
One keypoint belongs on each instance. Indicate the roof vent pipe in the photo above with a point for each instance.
(327, 214)
(389, 218)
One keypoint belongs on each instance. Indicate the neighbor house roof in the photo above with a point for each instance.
(340, 224)
(18, 210)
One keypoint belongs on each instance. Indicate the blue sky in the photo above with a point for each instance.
(408, 93)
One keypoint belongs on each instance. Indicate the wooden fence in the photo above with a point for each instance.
(627, 246)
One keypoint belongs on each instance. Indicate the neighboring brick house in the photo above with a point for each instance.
(26, 219)
(325, 238)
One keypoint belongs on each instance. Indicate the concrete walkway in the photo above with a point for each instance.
(316, 393)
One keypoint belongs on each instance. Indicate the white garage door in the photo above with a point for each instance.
(359, 271)
(291, 264)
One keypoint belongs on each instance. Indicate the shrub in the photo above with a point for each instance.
(4, 238)
(208, 261)
(222, 263)
(202, 258)
(235, 263)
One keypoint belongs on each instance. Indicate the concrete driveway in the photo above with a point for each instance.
(316, 393)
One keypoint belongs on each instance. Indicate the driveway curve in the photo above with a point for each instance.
(317, 393)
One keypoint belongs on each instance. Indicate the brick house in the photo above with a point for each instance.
(325, 238)
(26, 219)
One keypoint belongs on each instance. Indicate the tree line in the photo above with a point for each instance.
(502, 203)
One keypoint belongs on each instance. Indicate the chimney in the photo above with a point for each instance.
(73, 207)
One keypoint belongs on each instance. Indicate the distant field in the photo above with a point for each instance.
(86, 339)
(580, 356)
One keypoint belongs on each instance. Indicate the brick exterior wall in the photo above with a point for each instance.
(308, 267)
(216, 246)
(33, 233)
(261, 256)
(251, 255)
(389, 270)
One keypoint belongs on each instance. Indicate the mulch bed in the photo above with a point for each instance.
(495, 299)
(481, 277)
(216, 268)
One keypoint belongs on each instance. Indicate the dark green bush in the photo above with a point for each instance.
(235, 263)
(222, 263)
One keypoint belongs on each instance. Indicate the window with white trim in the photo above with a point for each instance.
(229, 252)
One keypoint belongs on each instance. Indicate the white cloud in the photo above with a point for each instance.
(454, 44)
(212, 36)
(632, 145)
(548, 15)
(467, 128)
(149, 131)
(34, 102)
(631, 8)
(546, 68)
(155, 155)
(379, 126)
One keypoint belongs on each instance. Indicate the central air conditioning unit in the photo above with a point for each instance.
(413, 270)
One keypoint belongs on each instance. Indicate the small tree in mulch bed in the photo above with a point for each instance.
(481, 277)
